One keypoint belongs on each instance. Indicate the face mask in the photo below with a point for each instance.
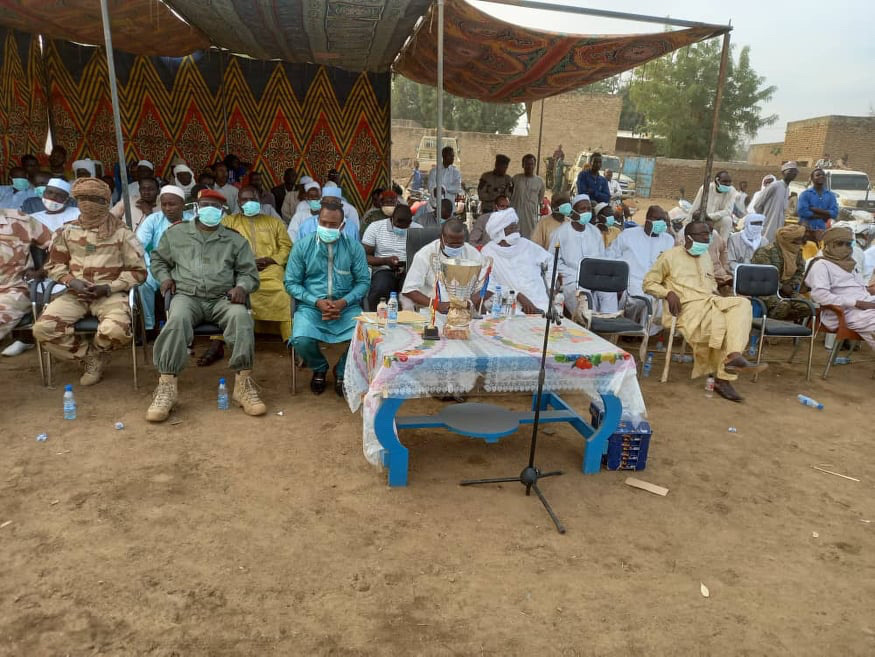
(658, 227)
(52, 206)
(209, 216)
(39, 191)
(564, 209)
(723, 188)
(328, 235)
(698, 248)
(453, 251)
(610, 221)
(755, 229)
(583, 217)
(20, 184)
(399, 232)
(251, 208)
(388, 210)
(315, 206)
(513, 238)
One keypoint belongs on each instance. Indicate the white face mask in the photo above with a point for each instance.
(755, 230)
(513, 238)
(52, 206)
(388, 210)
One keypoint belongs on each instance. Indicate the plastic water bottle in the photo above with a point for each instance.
(223, 395)
(709, 387)
(648, 365)
(382, 311)
(496, 302)
(842, 360)
(558, 306)
(69, 403)
(392, 311)
(808, 401)
(511, 303)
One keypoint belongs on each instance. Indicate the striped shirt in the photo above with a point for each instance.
(386, 243)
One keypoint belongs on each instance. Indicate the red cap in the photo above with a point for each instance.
(211, 193)
(388, 195)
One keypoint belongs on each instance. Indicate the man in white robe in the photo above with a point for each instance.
(56, 203)
(742, 245)
(721, 202)
(518, 264)
(773, 201)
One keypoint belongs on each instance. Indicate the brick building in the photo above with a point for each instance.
(850, 139)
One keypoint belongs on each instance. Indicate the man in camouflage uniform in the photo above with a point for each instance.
(99, 259)
(494, 183)
(211, 270)
(17, 233)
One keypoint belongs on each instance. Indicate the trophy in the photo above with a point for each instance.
(461, 279)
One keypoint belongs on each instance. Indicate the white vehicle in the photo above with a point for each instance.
(852, 189)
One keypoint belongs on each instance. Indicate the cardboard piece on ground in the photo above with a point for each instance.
(646, 485)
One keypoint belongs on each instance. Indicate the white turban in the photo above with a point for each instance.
(59, 183)
(306, 180)
(311, 185)
(173, 189)
(577, 199)
(329, 184)
(145, 163)
(181, 168)
(86, 164)
(598, 208)
(500, 220)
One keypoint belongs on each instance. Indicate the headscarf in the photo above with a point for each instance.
(87, 164)
(182, 168)
(59, 183)
(768, 179)
(839, 255)
(172, 189)
(94, 215)
(750, 237)
(784, 239)
(311, 185)
(498, 221)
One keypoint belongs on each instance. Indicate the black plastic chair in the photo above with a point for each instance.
(758, 282)
(418, 238)
(602, 275)
(25, 324)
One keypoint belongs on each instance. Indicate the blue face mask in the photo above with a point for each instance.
(209, 215)
(658, 227)
(610, 221)
(315, 206)
(328, 235)
(20, 184)
(723, 188)
(564, 209)
(453, 251)
(39, 191)
(251, 208)
(582, 217)
(699, 248)
(399, 232)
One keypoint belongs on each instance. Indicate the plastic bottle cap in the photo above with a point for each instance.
(221, 381)
(68, 387)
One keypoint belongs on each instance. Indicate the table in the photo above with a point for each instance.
(387, 367)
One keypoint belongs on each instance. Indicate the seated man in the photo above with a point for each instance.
(742, 245)
(716, 327)
(150, 231)
(211, 270)
(35, 203)
(605, 221)
(271, 246)
(785, 256)
(17, 191)
(561, 207)
(99, 259)
(309, 207)
(56, 207)
(517, 263)
(17, 234)
(330, 195)
(479, 237)
(328, 277)
(142, 205)
(350, 214)
(385, 244)
(833, 281)
(427, 214)
(419, 286)
(387, 202)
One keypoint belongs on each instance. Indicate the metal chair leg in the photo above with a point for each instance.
(293, 364)
(42, 364)
(761, 346)
(832, 354)
(49, 373)
(134, 360)
(810, 356)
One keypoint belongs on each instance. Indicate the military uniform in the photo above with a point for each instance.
(17, 233)
(204, 266)
(112, 256)
(490, 187)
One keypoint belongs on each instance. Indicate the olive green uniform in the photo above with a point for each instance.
(205, 266)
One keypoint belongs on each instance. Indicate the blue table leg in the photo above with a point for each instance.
(394, 454)
(597, 443)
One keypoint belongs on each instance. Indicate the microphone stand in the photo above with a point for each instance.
(531, 473)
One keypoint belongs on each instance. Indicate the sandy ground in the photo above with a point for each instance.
(229, 535)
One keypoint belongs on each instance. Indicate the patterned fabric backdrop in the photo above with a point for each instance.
(279, 115)
(23, 117)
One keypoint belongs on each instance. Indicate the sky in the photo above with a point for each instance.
(819, 55)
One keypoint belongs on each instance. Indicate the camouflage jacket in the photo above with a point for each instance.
(78, 252)
(17, 233)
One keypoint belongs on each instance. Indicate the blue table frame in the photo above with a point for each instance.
(467, 420)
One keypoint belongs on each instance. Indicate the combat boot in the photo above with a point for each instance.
(246, 396)
(164, 399)
(95, 362)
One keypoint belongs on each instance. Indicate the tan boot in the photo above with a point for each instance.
(246, 396)
(164, 399)
(95, 362)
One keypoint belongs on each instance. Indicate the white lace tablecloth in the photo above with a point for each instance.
(503, 355)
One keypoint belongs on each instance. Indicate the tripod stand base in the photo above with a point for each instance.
(529, 478)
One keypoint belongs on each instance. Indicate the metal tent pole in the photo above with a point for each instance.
(715, 124)
(116, 112)
(439, 136)
(540, 136)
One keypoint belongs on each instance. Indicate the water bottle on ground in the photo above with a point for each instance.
(808, 401)
(382, 311)
(558, 306)
(223, 395)
(648, 365)
(842, 360)
(392, 311)
(69, 403)
(496, 302)
(709, 387)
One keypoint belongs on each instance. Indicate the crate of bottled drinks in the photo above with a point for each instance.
(628, 445)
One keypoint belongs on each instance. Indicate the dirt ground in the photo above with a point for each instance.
(228, 535)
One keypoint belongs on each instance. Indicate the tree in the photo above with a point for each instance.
(418, 102)
(675, 95)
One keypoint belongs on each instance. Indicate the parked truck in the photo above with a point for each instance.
(852, 189)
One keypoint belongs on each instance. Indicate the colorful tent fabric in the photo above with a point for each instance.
(278, 115)
(23, 116)
(497, 62)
